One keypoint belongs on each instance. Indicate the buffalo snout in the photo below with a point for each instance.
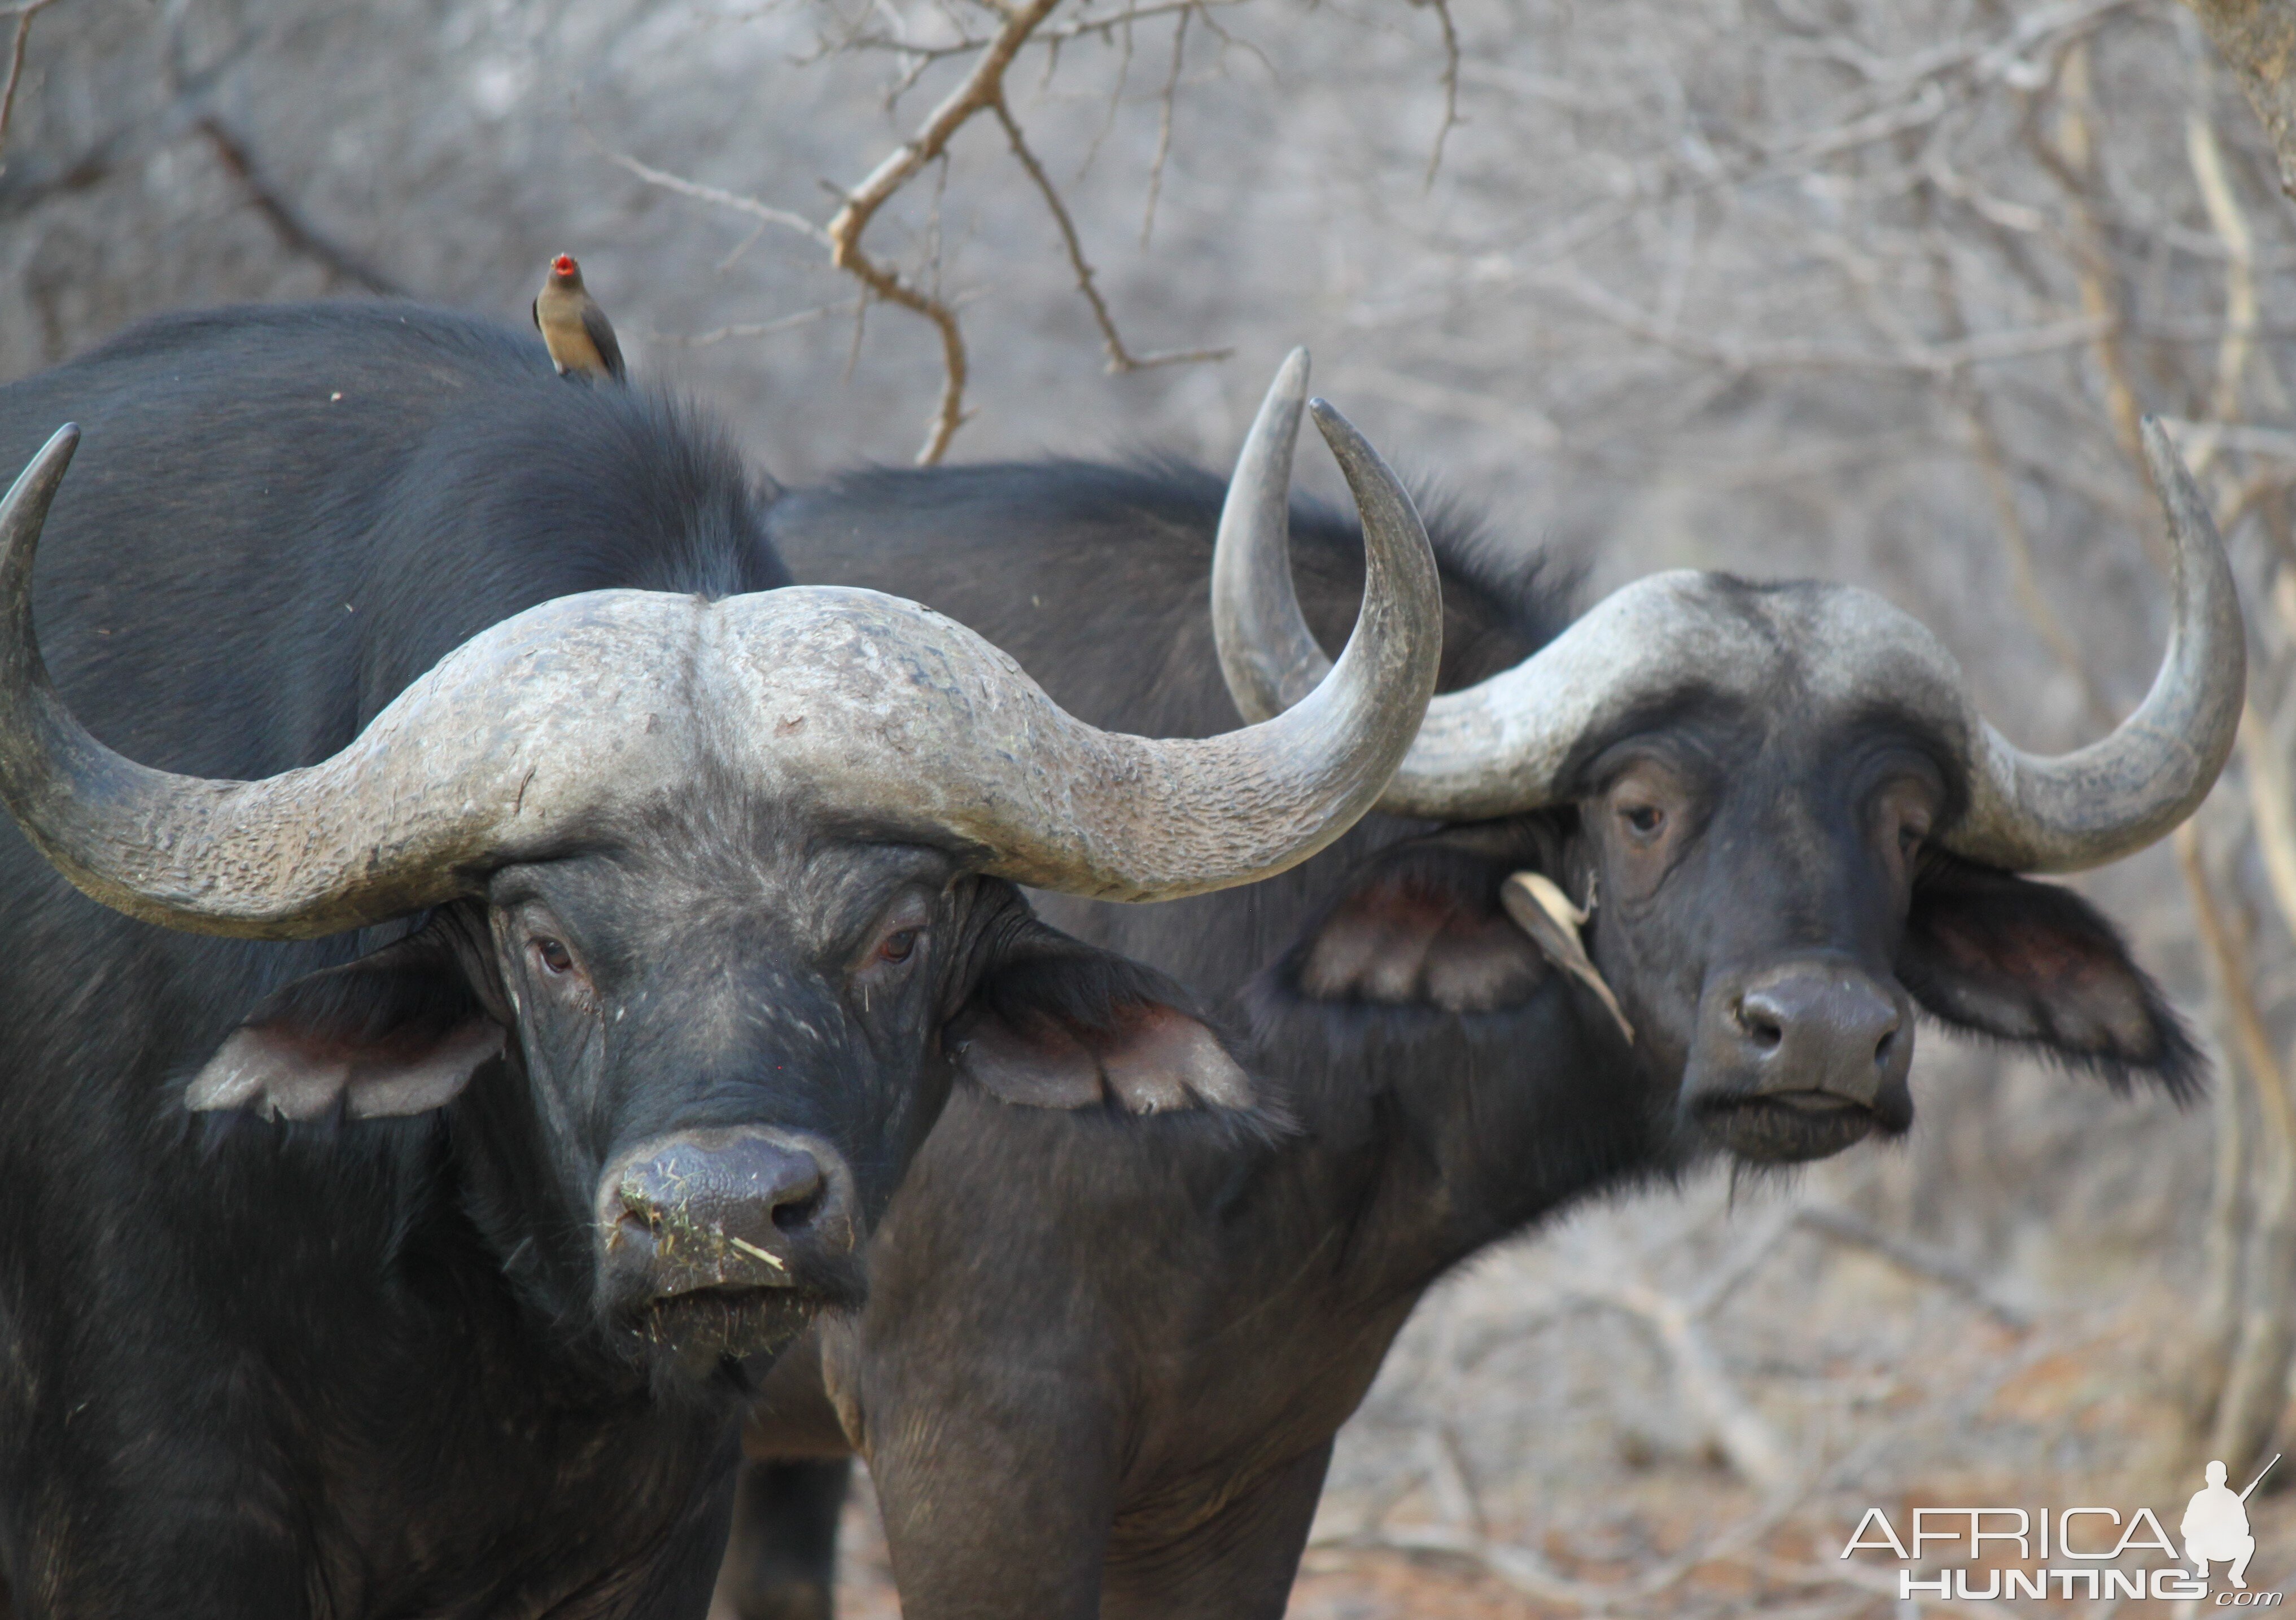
(1799, 1059)
(727, 1238)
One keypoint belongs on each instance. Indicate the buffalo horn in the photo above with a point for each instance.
(1499, 748)
(557, 727)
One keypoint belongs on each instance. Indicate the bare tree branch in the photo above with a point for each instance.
(751, 329)
(2071, 160)
(1119, 358)
(1053, 38)
(765, 214)
(2259, 39)
(295, 233)
(2256, 1378)
(1442, 10)
(1740, 1435)
(2230, 223)
(1938, 360)
(983, 88)
(23, 14)
(1919, 1259)
(1992, 458)
(1164, 126)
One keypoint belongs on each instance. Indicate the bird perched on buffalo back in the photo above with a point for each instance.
(574, 329)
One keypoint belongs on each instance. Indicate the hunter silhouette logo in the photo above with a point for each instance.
(2068, 1553)
(2215, 1526)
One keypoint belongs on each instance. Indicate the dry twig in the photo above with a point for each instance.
(1988, 449)
(296, 233)
(1164, 125)
(751, 329)
(2069, 158)
(2256, 1376)
(1119, 358)
(2230, 223)
(1918, 1259)
(23, 13)
(981, 89)
(1442, 10)
(1052, 38)
(2259, 39)
(1740, 1435)
(765, 214)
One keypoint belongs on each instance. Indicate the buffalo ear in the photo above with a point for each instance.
(1055, 1023)
(399, 1031)
(2036, 964)
(1421, 924)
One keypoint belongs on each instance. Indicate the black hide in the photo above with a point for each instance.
(1095, 1381)
(363, 1358)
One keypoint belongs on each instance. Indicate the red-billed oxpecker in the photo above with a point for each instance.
(574, 329)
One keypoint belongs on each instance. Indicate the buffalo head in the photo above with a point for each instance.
(685, 911)
(1775, 825)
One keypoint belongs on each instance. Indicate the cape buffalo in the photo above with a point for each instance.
(1093, 1380)
(594, 925)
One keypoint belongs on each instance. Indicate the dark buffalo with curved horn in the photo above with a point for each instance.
(1091, 1382)
(604, 922)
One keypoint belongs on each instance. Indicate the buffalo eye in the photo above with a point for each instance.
(1908, 809)
(554, 957)
(898, 946)
(1645, 821)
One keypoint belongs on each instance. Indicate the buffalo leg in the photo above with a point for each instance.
(995, 1521)
(781, 1562)
(1236, 1565)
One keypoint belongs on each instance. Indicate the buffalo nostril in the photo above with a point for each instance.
(729, 1208)
(798, 1213)
(1762, 1024)
(1885, 1048)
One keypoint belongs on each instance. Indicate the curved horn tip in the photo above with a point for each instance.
(1354, 453)
(2158, 444)
(46, 470)
(2173, 481)
(1345, 437)
(1330, 422)
(1291, 376)
(24, 509)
